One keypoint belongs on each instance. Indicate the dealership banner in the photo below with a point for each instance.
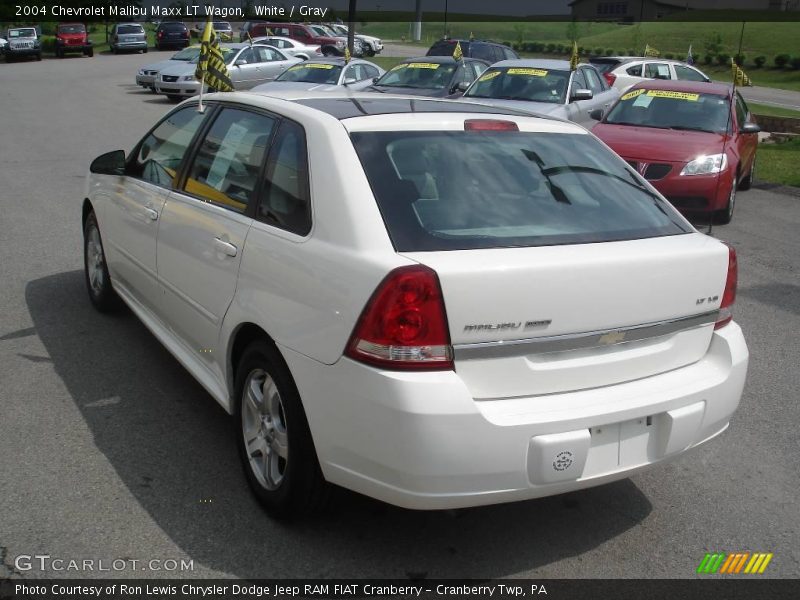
(427, 589)
(33, 11)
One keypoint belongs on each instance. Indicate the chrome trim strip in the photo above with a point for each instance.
(591, 339)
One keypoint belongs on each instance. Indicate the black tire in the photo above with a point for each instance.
(174, 97)
(301, 489)
(368, 51)
(90, 53)
(329, 52)
(145, 50)
(101, 293)
(747, 182)
(59, 53)
(114, 50)
(724, 216)
(39, 56)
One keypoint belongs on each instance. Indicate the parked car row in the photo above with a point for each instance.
(331, 37)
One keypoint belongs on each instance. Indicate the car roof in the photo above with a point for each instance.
(445, 60)
(554, 65)
(347, 105)
(335, 60)
(677, 85)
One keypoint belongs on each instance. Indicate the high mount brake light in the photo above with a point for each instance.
(489, 125)
(404, 324)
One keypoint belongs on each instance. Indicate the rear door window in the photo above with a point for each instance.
(593, 80)
(227, 166)
(688, 74)
(657, 71)
(448, 190)
(635, 70)
(483, 52)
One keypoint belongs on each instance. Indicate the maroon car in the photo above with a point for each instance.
(73, 37)
(330, 46)
(694, 142)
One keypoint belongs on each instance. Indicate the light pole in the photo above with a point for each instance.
(445, 18)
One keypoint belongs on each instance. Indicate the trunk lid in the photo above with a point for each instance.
(551, 319)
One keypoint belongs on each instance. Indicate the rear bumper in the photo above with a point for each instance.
(130, 45)
(419, 440)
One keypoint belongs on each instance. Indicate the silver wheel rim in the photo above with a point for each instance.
(95, 261)
(264, 427)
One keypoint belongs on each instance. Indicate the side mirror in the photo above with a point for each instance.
(750, 128)
(596, 114)
(375, 79)
(350, 80)
(240, 62)
(462, 86)
(110, 163)
(581, 94)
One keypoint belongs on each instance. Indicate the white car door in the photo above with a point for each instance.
(204, 227)
(272, 63)
(245, 72)
(628, 74)
(132, 217)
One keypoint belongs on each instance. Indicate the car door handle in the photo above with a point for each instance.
(225, 247)
(153, 214)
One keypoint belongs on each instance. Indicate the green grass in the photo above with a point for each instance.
(772, 111)
(777, 163)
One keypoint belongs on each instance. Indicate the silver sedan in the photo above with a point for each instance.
(248, 66)
(325, 75)
(291, 47)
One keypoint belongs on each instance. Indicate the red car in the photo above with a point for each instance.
(72, 37)
(330, 46)
(694, 142)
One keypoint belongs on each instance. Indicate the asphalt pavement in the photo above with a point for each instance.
(109, 450)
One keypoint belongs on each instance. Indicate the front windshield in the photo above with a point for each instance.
(228, 54)
(71, 29)
(419, 75)
(187, 54)
(312, 73)
(18, 33)
(521, 83)
(665, 109)
(322, 30)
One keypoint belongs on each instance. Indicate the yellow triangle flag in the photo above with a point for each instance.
(739, 76)
(457, 53)
(573, 60)
(650, 51)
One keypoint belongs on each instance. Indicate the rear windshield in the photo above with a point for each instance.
(447, 47)
(456, 190)
(130, 29)
(221, 26)
(604, 66)
(521, 83)
(421, 75)
(173, 26)
(666, 109)
(312, 73)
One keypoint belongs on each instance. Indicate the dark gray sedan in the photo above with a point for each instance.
(432, 76)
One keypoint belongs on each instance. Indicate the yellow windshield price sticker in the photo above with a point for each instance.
(675, 95)
(314, 66)
(632, 94)
(423, 65)
(488, 76)
(524, 71)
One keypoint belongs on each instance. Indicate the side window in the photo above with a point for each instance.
(285, 200)
(688, 74)
(162, 150)
(593, 80)
(371, 72)
(509, 54)
(267, 54)
(228, 163)
(635, 70)
(483, 52)
(246, 56)
(741, 111)
(657, 71)
(578, 82)
(477, 68)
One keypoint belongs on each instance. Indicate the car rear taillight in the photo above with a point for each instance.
(489, 125)
(729, 295)
(404, 324)
(610, 78)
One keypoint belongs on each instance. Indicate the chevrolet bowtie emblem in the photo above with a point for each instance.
(613, 337)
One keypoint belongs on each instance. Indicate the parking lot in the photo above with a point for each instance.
(110, 450)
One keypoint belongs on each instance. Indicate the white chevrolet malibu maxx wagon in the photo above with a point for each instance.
(434, 303)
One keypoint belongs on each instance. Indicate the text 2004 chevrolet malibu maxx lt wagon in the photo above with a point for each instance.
(437, 304)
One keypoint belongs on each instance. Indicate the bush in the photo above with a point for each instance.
(708, 59)
(739, 59)
(551, 48)
(795, 62)
(48, 43)
(610, 52)
(598, 51)
(723, 59)
(669, 55)
(518, 46)
(782, 60)
(581, 50)
(560, 48)
(759, 61)
(630, 52)
(48, 28)
(507, 44)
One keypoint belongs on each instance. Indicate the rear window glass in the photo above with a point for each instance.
(604, 66)
(446, 48)
(173, 26)
(130, 29)
(454, 190)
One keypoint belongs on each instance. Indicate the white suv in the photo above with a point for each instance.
(434, 303)
(623, 72)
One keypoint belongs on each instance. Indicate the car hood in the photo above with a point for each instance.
(181, 68)
(163, 64)
(539, 108)
(649, 143)
(277, 86)
(409, 91)
(71, 36)
(367, 38)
